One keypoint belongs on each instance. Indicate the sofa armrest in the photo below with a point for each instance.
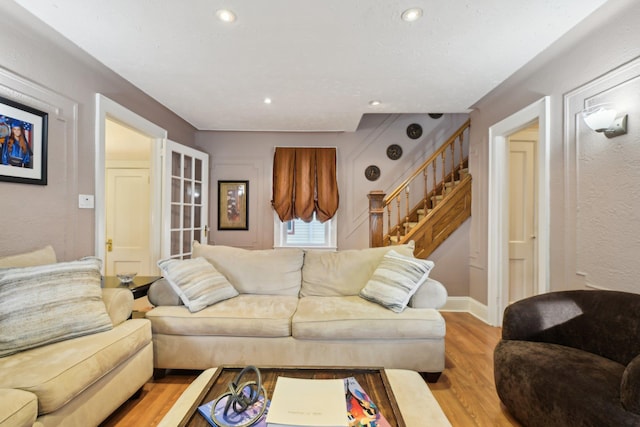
(432, 294)
(630, 386)
(161, 293)
(119, 303)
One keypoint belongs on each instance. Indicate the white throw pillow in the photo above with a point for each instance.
(197, 282)
(395, 280)
(49, 303)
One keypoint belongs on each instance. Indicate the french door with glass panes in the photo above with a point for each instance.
(185, 199)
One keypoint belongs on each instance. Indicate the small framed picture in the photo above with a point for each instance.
(23, 143)
(233, 205)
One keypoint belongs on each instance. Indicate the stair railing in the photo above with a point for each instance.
(423, 190)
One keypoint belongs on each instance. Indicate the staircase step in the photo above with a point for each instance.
(409, 225)
(436, 199)
(394, 240)
(449, 186)
(463, 173)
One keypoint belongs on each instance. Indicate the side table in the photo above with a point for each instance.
(138, 287)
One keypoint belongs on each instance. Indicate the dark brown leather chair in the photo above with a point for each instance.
(571, 358)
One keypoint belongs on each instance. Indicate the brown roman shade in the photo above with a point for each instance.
(304, 182)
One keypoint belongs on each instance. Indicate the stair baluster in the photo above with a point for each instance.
(442, 207)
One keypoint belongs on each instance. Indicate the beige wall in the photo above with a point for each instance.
(249, 156)
(38, 67)
(599, 45)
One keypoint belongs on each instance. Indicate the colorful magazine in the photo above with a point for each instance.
(233, 418)
(361, 410)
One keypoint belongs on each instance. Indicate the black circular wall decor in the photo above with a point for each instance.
(435, 115)
(394, 151)
(372, 172)
(414, 131)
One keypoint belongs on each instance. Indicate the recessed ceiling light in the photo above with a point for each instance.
(374, 102)
(225, 15)
(267, 100)
(412, 14)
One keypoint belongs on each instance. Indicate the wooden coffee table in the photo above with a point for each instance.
(374, 382)
(402, 395)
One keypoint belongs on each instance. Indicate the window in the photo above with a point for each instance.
(299, 234)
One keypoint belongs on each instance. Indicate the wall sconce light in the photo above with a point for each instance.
(604, 118)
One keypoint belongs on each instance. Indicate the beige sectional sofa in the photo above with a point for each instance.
(296, 307)
(78, 381)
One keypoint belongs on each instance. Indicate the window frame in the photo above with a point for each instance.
(280, 234)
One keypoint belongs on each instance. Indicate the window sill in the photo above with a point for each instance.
(321, 248)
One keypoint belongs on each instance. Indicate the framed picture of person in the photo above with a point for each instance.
(23, 143)
(233, 205)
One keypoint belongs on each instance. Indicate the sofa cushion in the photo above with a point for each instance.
(60, 371)
(339, 318)
(42, 256)
(19, 408)
(328, 274)
(197, 282)
(395, 280)
(243, 316)
(266, 271)
(49, 303)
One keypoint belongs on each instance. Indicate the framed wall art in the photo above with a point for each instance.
(23, 143)
(233, 205)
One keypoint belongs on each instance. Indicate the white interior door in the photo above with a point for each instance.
(522, 219)
(185, 199)
(127, 222)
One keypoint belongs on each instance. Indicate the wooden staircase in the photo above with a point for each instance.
(429, 205)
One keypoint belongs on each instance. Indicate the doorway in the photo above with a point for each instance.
(109, 111)
(500, 210)
(522, 213)
(128, 201)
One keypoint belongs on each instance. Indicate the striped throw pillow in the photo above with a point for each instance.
(395, 280)
(49, 303)
(197, 282)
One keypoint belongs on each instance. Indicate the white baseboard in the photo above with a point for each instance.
(468, 305)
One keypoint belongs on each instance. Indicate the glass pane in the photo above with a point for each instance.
(187, 217)
(187, 191)
(175, 164)
(196, 216)
(175, 242)
(198, 176)
(175, 216)
(188, 164)
(196, 193)
(186, 241)
(175, 190)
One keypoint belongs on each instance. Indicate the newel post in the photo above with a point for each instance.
(376, 213)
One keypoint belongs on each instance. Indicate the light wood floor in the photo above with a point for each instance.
(465, 391)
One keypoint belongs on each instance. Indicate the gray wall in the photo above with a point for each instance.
(597, 47)
(40, 68)
(249, 156)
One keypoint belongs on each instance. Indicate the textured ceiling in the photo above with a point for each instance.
(321, 62)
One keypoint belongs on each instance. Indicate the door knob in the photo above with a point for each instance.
(109, 245)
